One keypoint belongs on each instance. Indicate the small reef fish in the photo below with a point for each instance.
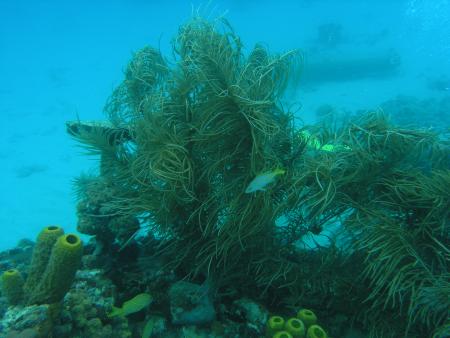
(314, 143)
(133, 305)
(148, 328)
(113, 135)
(333, 148)
(261, 181)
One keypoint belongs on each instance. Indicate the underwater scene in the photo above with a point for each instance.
(254, 169)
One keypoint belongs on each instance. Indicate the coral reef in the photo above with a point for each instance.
(86, 306)
(18, 256)
(419, 113)
(190, 304)
(36, 319)
(181, 147)
(253, 314)
(94, 218)
(356, 227)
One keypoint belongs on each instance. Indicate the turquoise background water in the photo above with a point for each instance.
(60, 59)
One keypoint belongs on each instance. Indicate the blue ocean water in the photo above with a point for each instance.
(60, 60)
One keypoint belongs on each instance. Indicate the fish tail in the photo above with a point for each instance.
(279, 171)
(116, 311)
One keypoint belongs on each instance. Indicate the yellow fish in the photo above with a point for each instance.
(261, 181)
(314, 142)
(148, 328)
(135, 304)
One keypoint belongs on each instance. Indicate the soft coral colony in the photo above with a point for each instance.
(176, 215)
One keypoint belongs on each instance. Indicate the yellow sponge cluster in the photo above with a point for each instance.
(56, 258)
(12, 286)
(301, 326)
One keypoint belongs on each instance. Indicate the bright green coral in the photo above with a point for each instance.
(282, 334)
(273, 325)
(307, 316)
(315, 331)
(295, 327)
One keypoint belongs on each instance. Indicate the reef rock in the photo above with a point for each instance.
(191, 304)
(26, 321)
(252, 313)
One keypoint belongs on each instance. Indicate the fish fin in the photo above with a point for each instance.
(116, 311)
(148, 328)
(129, 240)
(279, 171)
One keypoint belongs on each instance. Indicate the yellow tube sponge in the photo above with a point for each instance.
(41, 255)
(315, 331)
(295, 327)
(59, 274)
(273, 325)
(307, 317)
(12, 286)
